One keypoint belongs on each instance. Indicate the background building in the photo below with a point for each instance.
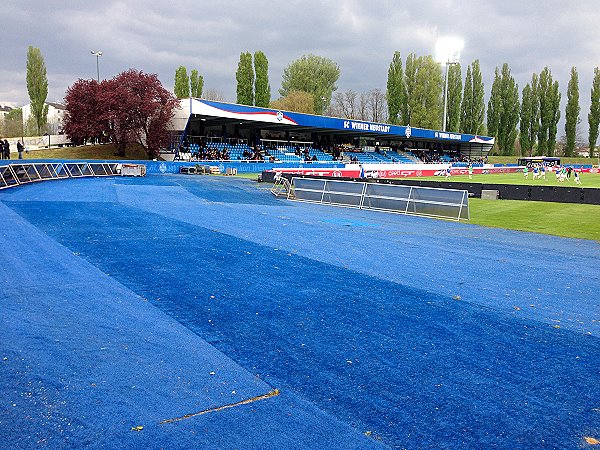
(56, 112)
(4, 110)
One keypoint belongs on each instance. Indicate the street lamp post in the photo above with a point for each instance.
(97, 54)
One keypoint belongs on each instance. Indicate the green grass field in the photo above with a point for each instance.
(571, 220)
(559, 219)
(587, 179)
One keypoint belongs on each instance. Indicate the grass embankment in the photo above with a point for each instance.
(571, 220)
(93, 152)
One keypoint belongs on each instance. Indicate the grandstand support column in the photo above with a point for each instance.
(257, 136)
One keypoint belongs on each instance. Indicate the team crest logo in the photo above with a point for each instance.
(279, 116)
(162, 167)
(408, 131)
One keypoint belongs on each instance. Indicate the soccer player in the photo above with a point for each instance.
(563, 174)
(536, 172)
(576, 175)
(470, 171)
(526, 172)
(544, 171)
(448, 172)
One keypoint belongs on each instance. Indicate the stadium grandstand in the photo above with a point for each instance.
(210, 130)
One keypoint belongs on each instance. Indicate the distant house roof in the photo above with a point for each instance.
(57, 105)
(5, 108)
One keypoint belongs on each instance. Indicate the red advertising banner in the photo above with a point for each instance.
(404, 170)
(393, 171)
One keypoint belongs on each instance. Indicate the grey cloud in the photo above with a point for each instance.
(157, 37)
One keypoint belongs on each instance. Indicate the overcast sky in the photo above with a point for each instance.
(361, 36)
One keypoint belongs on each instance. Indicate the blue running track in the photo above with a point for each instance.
(126, 302)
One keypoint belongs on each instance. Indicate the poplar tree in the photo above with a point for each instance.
(525, 121)
(549, 104)
(262, 89)
(424, 82)
(396, 91)
(245, 80)
(182, 83)
(196, 84)
(572, 112)
(535, 110)
(467, 102)
(594, 114)
(509, 112)
(410, 82)
(554, 116)
(454, 97)
(494, 109)
(473, 104)
(543, 100)
(478, 114)
(37, 87)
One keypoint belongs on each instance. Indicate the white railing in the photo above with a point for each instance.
(424, 201)
(16, 174)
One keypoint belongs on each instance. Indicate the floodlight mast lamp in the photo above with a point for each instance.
(97, 54)
(448, 52)
(448, 64)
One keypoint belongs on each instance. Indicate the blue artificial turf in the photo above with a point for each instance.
(351, 312)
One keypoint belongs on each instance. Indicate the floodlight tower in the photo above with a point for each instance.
(97, 54)
(447, 50)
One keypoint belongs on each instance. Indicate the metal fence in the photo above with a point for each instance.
(425, 201)
(16, 174)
